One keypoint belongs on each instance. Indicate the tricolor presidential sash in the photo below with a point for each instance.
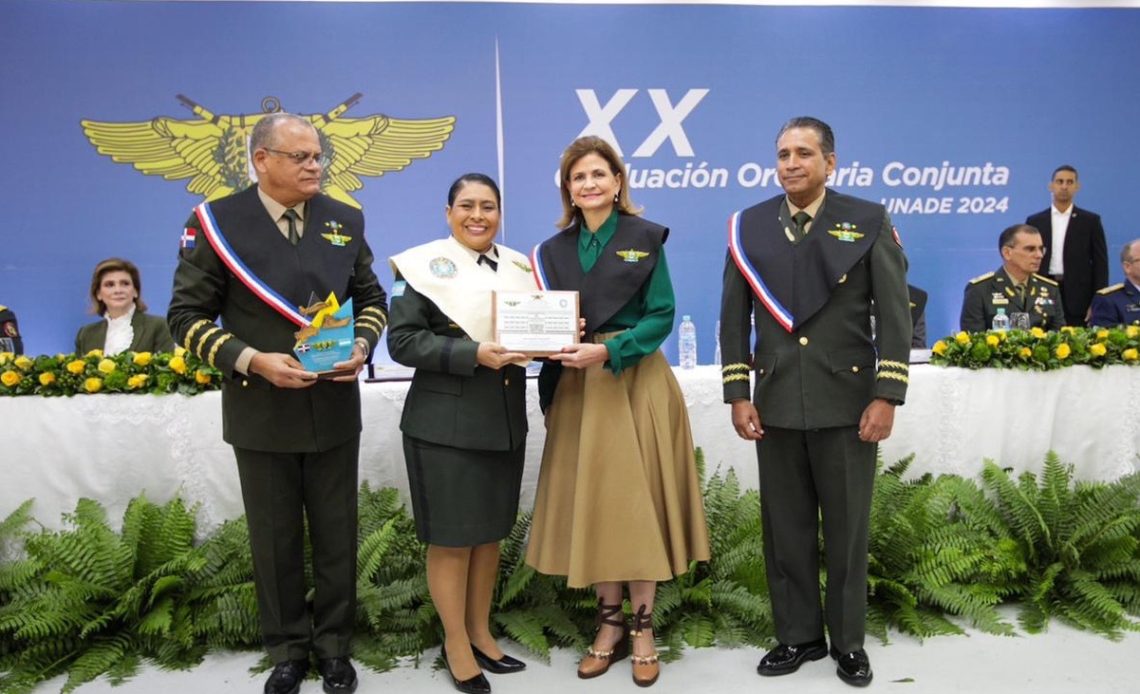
(782, 315)
(235, 264)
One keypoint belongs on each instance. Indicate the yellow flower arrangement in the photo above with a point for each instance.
(94, 353)
(127, 372)
(1040, 350)
(179, 351)
(23, 363)
(5, 358)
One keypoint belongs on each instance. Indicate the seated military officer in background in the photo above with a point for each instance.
(1014, 286)
(1120, 303)
(10, 340)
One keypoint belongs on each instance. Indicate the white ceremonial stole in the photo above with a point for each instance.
(446, 272)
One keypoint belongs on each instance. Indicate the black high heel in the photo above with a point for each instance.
(474, 685)
(502, 666)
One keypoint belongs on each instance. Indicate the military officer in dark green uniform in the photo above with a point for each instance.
(1015, 287)
(813, 264)
(254, 258)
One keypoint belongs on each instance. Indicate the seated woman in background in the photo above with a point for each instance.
(116, 295)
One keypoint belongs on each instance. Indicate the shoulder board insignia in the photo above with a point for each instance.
(1046, 280)
(3, 308)
(1106, 290)
(982, 278)
(522, 266)
(631, 256)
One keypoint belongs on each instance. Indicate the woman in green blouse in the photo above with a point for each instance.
(618, 498)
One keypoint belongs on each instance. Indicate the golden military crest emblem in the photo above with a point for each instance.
(212, 150)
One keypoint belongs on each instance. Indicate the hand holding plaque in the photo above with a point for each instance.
(328, 339)
(536, 323)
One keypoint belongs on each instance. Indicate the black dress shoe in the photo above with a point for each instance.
(785, 659)
(502, 666)
(474, 685)
(338, 675)
(854, 668)
(286, 677)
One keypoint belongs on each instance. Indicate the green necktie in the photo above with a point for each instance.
(292, 216)
(801, 219)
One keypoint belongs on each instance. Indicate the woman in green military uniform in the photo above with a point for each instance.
(464, 420)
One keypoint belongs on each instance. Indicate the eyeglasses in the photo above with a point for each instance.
(301, 158)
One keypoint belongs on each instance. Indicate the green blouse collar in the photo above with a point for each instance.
(603, 234)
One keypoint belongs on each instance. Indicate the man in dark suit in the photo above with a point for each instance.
(810, 264)
(1076, 254)
(1120, 303)
(253, 258)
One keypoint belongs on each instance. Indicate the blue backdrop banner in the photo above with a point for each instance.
(121, 116)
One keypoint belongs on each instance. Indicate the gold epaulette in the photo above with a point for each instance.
(3, 308)
(1046, 280)
(982, 278)
(1106, 290)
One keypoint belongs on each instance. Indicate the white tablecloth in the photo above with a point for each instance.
(112, 447)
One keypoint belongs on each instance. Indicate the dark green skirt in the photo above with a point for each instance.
(463, 498)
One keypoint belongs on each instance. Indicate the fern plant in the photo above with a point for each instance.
(395, 617)
(92, 600)
(937, 546)
(1080, 543)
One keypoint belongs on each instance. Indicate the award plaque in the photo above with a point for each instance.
(536, 323)
(328, 339)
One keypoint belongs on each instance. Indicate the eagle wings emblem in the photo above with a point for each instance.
(213, 150)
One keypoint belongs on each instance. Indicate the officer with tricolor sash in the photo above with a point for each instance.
(814, 265)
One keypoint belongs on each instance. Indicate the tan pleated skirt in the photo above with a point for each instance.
(618, 496)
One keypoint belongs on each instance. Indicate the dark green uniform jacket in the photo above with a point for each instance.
(151, 335)
(986, 294)
(255, 414)
(815, 363)
(452, 401)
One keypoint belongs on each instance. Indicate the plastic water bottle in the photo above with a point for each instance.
(1001, 321)
(716, 354)
(687, 343)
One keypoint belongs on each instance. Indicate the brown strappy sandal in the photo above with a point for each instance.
(646, 669)
(595, 662)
